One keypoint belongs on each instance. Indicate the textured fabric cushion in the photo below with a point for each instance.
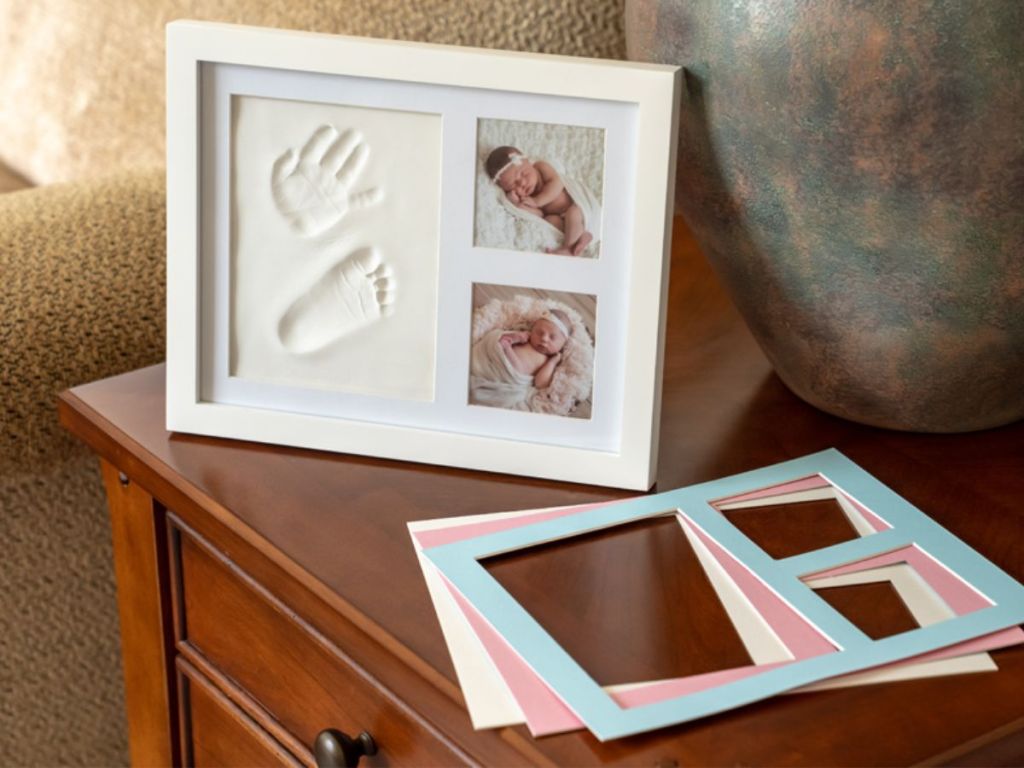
(61, 696)
(82, 297)
(82, 89)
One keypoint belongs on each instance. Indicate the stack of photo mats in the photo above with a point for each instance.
(512, 671)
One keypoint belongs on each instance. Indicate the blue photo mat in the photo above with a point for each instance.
(607, 720)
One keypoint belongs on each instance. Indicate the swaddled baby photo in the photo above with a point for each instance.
(539, 187)
(532, 350)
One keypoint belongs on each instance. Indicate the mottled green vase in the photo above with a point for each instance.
(855, 173)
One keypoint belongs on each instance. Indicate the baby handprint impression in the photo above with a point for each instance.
(312, 189)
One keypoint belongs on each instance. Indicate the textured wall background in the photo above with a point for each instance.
(82, 83)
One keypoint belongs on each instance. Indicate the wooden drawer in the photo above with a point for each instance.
(302, 681)
(218, 733)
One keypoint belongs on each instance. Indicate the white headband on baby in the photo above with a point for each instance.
(512, 160)
(553, 319)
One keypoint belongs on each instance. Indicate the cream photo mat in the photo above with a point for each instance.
(617, 446)
(453, 275)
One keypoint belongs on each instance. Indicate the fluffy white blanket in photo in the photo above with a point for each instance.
(580, 193)
(576, 153)
(494, 382)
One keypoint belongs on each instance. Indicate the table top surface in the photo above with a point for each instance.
(342, 521)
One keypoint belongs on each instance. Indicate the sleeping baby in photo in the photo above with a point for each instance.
(536, 188)
(507, 365)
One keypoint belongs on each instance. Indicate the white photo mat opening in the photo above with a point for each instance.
(262, 343)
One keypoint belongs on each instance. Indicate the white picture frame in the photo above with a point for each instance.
(352, 320)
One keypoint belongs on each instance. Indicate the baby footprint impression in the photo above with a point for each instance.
(353, 293)
(312, 188)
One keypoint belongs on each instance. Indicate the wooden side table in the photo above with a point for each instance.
(270, 596)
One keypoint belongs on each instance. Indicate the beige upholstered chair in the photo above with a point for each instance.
(81, 297)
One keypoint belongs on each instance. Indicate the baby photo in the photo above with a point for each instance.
(539, 187)
(532, 350)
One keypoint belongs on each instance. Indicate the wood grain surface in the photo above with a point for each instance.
(666, 620)
(307, 683)
(326, 534)
(807, 525)
(140, 563)
(221, 735)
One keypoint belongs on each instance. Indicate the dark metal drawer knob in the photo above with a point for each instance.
(334, 749)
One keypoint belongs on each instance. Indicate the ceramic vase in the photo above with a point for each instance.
(855, 173)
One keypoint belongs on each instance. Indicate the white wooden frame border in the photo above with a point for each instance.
(653, 88)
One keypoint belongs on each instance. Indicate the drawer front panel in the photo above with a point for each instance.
(300, 678)
(219, 734)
